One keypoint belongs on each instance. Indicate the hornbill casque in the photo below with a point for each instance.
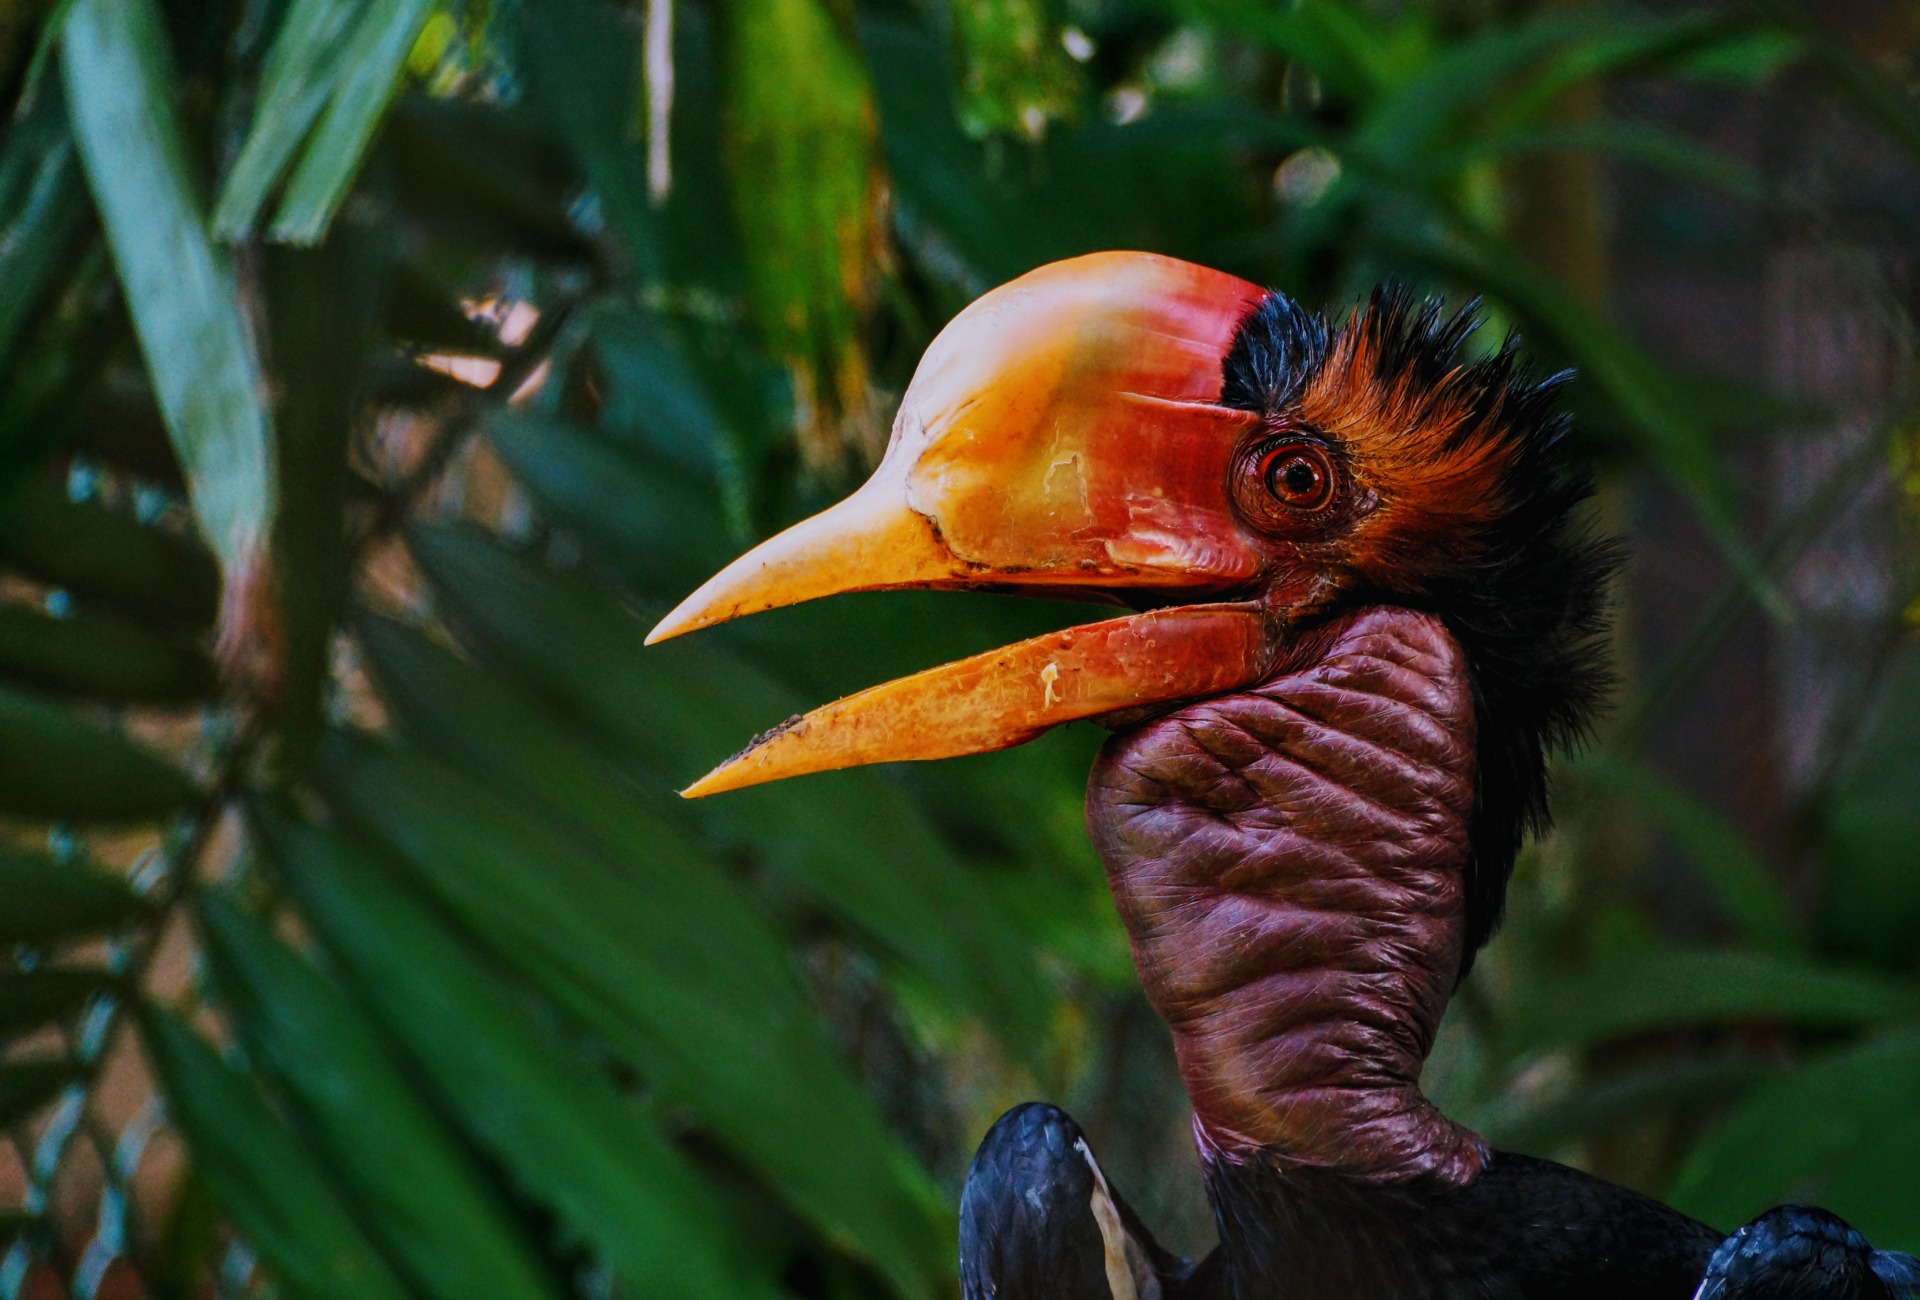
(1363, 607)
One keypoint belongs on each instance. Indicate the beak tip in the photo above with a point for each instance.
(679, 620)
(713, 782)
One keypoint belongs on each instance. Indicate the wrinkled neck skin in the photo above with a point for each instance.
(1288, 862)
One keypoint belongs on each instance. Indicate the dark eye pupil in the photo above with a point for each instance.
(1294, 478)
(1289, 482)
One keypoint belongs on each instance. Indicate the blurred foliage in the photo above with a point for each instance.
(372, 372)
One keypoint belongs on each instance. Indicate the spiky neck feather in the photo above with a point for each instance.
(1478, 523)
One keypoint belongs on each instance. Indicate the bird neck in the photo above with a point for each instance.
(1288, 862)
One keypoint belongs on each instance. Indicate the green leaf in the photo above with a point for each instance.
(1753, 894)
(474, 177)
(179, 289)
(302, 73)
(697, 998)
(703, 399)
(101, 555)
(1787, 1136)
(652, 522)
(325, 308)
(671, 707)
(1636, 142)
(98, 658)
(1744, 58)
(1870, 901)
(1668, 989)
(581, 62)
(1608, 46)
(1418, 111)
(26, 1086)
(1874, 1188)
(1353, 53)
(48, 899)
(425, 1201)
(547, 1112)
(426, 314)
(42, 205)
(54, 766)
(1546, 1127)
(188, 1246)
(802, 145)
(269, 1185)
(370, 68)
(982, 233)
(30, 999)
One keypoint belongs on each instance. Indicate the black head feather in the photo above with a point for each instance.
(1518, 575)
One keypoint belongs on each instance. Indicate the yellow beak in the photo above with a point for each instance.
(1064, 432)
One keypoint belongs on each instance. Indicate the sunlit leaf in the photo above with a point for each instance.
(370, 69)
(547, 1112)
(260, 1173)
(179, 289)
(302, 72)
(423, 1198)
(803, 150)
(698, 1007)
(48, 899)
(53, 765)
(1169, 181)
(1015, 77)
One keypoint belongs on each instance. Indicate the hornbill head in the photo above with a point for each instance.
(1135, 429)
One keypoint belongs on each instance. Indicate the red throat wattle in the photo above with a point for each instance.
(1287, 860)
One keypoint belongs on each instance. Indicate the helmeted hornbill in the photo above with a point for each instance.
(1363, 608)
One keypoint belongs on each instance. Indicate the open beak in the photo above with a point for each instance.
(1063, 433)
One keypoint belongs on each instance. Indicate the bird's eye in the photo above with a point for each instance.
(1297, 475)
